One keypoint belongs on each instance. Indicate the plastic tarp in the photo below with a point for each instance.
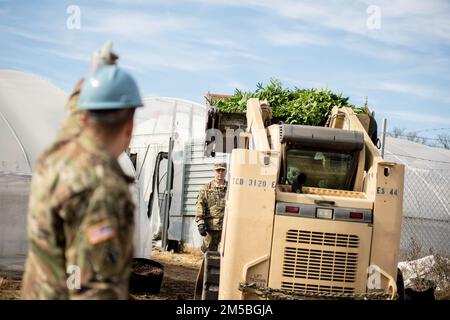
(30, 112)
(430, 268)
(161, 119)
(426, 206)
(142, 239)
(417, 155)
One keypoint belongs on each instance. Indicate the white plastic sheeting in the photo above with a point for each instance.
(426, 206)
(142, 240)
(430, 268)
(417, 155)
(14, 191)
(161, 119)
(31, 112)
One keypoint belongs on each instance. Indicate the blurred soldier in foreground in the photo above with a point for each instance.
(72, 124)
(210, 209)
(80, 219)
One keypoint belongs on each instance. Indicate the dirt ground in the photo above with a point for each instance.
(9, 289)
(180, 272)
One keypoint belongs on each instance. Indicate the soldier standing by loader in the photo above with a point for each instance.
(80, 217)
(210, 209)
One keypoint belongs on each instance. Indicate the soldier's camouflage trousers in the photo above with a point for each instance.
(211, 240)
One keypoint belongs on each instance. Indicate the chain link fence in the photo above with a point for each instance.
(426, 212)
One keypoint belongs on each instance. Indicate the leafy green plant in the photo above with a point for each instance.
(296, 106)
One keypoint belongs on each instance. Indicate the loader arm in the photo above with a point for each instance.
(255, 126)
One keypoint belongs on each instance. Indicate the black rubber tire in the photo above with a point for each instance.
(211, 276)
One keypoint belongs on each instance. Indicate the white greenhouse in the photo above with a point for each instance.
(426, 201)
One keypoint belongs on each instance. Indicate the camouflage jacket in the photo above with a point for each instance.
(72, 125)
(80, 220)
(210, 205)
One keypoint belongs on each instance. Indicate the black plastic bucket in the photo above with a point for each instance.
(146, 276)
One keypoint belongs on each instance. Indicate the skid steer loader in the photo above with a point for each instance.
(311, 212)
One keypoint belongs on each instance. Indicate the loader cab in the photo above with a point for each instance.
(328, 158)
(322, 169)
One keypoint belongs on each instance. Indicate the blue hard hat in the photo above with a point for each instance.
(109, 87)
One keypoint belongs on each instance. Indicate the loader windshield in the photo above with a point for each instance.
(331, 170)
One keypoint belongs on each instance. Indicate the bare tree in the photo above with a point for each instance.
(397, 132)
(444, 139)
(413, 136)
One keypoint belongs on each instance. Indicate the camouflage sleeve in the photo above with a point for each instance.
(72, 123)
(200, 206)
(102, 250)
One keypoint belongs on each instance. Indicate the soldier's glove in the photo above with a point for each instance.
(202, 229)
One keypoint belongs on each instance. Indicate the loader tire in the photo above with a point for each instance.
(211, 276)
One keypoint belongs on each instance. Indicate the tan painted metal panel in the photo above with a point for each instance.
(387, 194)
(247, 234)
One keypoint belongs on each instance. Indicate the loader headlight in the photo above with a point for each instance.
(324, 213)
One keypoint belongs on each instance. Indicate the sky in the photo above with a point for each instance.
(395, 52)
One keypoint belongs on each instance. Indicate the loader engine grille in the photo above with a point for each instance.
(317, 255)
(323, 265)
(320, 265)
(323, 239)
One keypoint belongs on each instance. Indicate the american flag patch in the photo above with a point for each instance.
(99, 232)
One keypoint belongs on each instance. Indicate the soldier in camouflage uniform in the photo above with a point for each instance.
(80, 218)
(72, 123)
(210, 209)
